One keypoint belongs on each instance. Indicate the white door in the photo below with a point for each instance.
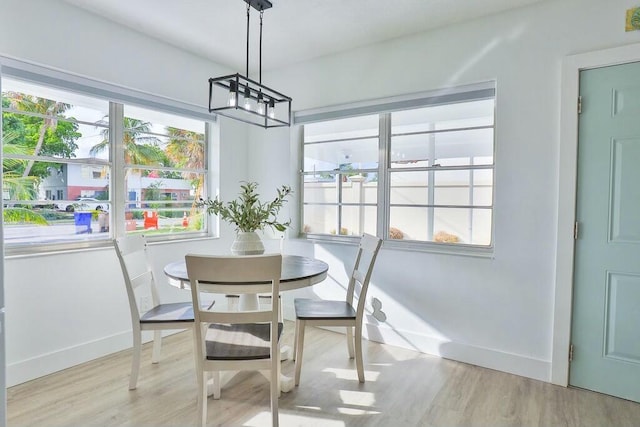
(606, 306)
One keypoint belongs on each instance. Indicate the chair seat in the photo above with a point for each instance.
(172, 312)
(309, 309)
(246, 341)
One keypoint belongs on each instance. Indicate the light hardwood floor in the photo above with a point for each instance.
(403, 388)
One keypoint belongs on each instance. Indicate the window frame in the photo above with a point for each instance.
(117, 97)
(384, 109)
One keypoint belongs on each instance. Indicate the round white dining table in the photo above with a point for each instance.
(297, 272)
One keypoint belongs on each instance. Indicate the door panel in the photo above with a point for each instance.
(625, 191)
(622, 317)
(606, 306)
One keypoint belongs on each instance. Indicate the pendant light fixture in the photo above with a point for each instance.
(241, 98)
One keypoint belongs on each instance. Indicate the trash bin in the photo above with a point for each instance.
(103, 221)
(82, 221)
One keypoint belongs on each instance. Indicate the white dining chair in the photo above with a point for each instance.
(140, 284)
(235, 340)
(340, 313)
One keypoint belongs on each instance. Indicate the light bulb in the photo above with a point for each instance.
(260, 104)
(271, 110)
(247, 98)
(231, 102)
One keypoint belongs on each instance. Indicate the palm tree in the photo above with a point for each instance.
(139, 148)
(19, 187)
(186, 150)
(45, 107)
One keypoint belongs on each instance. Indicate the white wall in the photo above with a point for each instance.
(64, 309)
(495, 312)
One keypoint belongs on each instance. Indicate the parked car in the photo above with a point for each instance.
(84, 204)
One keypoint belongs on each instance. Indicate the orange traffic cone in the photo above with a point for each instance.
(185, 220)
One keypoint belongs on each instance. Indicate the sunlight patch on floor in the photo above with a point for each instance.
(352, 374)
(264, 419)
(354, 411)
(309, 408)
(357, 398)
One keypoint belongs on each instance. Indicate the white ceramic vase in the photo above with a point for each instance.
(247, 243)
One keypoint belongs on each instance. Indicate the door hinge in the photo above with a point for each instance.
(570, 352)
(575, 230)
(580, 105)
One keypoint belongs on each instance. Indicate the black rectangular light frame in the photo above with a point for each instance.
(238, 112)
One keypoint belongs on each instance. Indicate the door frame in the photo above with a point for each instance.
(567, 183)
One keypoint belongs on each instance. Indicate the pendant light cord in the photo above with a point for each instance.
(260, 75)
(260, 53)
(248, 9)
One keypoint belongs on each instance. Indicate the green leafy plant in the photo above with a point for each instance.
(22, 216)
(247, 212)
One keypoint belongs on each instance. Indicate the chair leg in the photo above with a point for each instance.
(299, 346)
(135, 360)
(215, 376)
(202, 398)
(350, 341)
(279, 372)
(196, 357)
(157, 346)
(295, 340)
(275, 389)
(359, 362)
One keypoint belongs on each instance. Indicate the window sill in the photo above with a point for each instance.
(410, 246)
(36, 250)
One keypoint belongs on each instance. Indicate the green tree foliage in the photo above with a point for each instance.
(36, 132)
(21, 215)
(39, 132)
(17, 186)
(35, 135)
(186, 150)
(140, 147)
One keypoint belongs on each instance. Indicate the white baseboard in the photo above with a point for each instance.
(485, 357)
(48, 363)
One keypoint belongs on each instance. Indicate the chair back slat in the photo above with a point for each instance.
(370, 243)
(233, 269)
(136, 262)
(365, 260)
(137, 272)
(131, 244)
(144, 279)
(359, 276)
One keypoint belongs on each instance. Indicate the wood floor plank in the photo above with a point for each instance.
(403, 388)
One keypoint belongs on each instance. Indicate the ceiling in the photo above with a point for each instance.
(294, 30)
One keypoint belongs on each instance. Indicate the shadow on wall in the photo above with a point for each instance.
(385, 308)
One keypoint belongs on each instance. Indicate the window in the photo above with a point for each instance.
(340, 178)
(67, 179)
(164, 170)
(422, 173)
